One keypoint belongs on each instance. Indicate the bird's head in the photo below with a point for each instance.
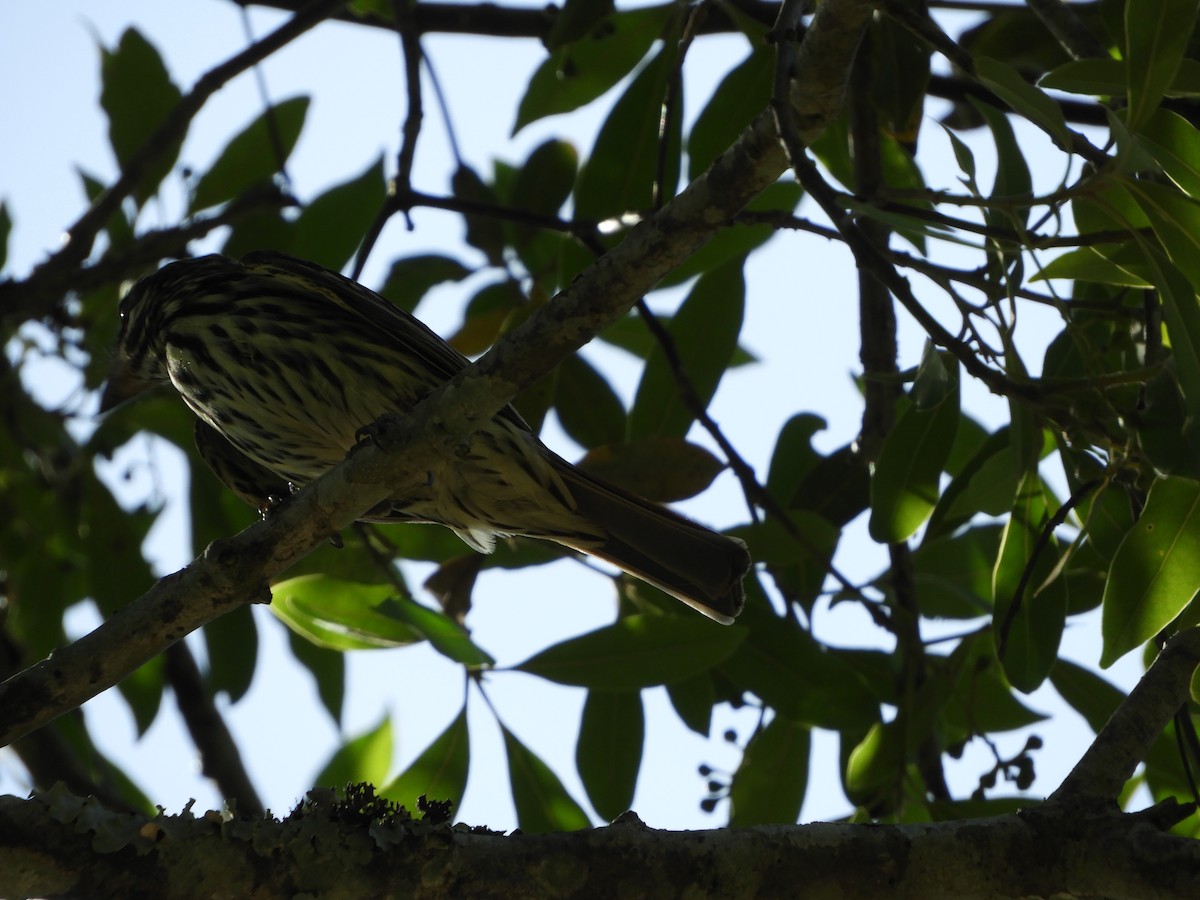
(148, 312)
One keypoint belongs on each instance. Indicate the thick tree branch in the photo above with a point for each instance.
(1126, 739)
(238, 570)
(327, 849)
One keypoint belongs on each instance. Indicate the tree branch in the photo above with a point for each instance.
(56, 276)
(238, 570)
(1126, 738)
(330, 849)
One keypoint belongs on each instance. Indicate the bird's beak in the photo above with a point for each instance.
(122, 385)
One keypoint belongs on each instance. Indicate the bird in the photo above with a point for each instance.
(286, 363)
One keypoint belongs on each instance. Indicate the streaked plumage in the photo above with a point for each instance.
(284, 362)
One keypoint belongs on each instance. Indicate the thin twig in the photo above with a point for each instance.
(56, 275)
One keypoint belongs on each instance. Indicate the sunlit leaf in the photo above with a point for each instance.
(1156, 570)
(340, 615)
(440, 771)
(367, 757)
(443, 633)
(1156, 37)
(1175, 145)
(875, 764)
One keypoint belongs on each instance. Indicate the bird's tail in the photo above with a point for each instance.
(692, 563)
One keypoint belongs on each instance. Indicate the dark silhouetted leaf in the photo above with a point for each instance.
(609, 751)
(253, 156)
(543, 804)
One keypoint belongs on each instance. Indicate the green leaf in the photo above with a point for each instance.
(793, 458)
(544, 181)
(662, 469)
(904, 487)
(328, 669)
(609, 751)
(483, 231)
(340, 615)
(541, 186)
(704, 332)
(1031, 635)
(637, 651)
(875, 764)
(137, 95)
(982, 700)
(330, 227)
(1102, 264)
(797, 552)
(575, 19)
(1086, 692)
(142, 690)
(253, 156)
(1156, 570)
(768, 787)
(1174, 143)
(1172, 216)
(1013, 179)
(953, 573)
(837, 488)
(580, 72)
(778, 656)
(965, 158)
(231, 642)
(631, 335)
(447, 636)
(1007, 83)
(1156, 36)
(620, 173)
(411, 278)
(588, 409)
(440, 771)
(367, 757)
(932, 384)
(693, 699)
(543, 804)
(488, 313)
(1096, 77)
(734, 103)
(899, 79)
